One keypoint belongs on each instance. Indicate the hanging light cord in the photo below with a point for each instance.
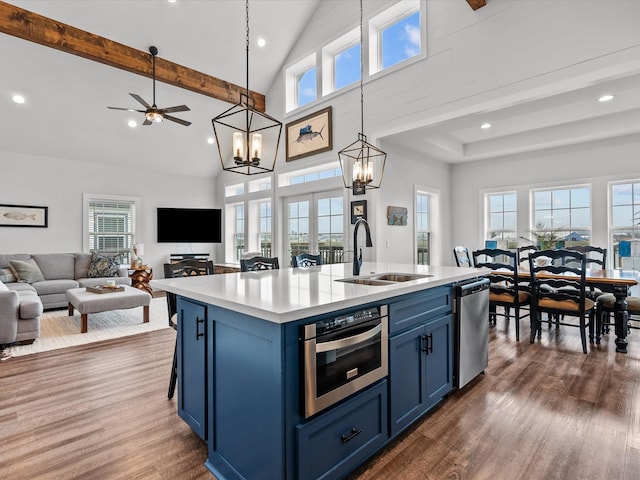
(361, 75)
(247, 16)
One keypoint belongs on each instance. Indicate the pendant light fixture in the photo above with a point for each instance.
(362, 163)
(247, 139)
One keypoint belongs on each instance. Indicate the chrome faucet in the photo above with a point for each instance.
(357, 260)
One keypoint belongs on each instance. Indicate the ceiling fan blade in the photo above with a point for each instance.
(140, 99)
(179, 108)
(127, 109)
(177, 120)
(147, 122)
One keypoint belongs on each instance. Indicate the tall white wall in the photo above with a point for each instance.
(59, 184)
(504, 53)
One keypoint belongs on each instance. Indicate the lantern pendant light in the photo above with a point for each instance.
(244, 133)
(362, 163)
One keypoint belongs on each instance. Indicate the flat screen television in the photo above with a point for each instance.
(189, 225)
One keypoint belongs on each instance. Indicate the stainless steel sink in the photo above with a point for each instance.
(401, 277)
(385, 278)
(364, 281)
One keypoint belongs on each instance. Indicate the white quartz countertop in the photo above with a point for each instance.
(290, 294)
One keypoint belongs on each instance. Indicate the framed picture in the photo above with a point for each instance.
(358, 210)
(309, 135)
(23, 216)
(396, 216)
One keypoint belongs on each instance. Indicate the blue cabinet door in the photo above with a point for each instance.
(439, 360)
(406, 378)
(420, 370)
(192, 399)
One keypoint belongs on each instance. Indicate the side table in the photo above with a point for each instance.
(140, 278)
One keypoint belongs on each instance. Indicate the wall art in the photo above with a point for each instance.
(309, 135)
(23, 216)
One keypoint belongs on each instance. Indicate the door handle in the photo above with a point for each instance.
(198, 332)
(351, 435)
(427, 343)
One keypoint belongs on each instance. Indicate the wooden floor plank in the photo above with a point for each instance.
(541, 410)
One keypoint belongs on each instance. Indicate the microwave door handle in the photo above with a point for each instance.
(349, 341)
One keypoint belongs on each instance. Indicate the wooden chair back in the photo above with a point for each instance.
(306, 260)
(259, 263)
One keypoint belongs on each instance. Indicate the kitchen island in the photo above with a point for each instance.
(240, 377)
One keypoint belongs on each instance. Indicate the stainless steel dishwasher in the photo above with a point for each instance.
(471, 330)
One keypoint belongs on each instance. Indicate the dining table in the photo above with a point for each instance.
(615, 281)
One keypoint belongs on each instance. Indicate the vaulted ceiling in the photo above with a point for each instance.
(65, 114)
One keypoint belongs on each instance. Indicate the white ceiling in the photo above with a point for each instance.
(66, 116)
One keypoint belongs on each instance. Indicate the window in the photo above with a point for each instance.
(625, 221)
(422, 228)
(300, 83)
(110, 224)
(395, 36)
(233, 190)
(264, 233)
(341, 62)
(313, 174)
(501, 222)
(562, 216)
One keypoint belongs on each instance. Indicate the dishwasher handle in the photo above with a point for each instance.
(472, 287)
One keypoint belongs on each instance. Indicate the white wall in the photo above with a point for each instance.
(506, 52)
(594, 164)
(59, 185)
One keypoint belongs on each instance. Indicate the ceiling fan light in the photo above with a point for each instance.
(154, 116)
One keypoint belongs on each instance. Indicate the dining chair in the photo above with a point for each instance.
(504, 290)
(182, 268)
(306, 260)
(259, 263)
(523, 255)
(462, 257)
(558, 288)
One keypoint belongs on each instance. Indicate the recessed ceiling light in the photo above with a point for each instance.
(606, 98)
(172, 1)
(132, 123)
(261, 42)
(210, 140)
(485, 125)
(18, 99)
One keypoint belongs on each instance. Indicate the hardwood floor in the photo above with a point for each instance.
(541, 411)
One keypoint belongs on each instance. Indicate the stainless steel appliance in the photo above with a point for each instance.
(471, 330)
(343, 355)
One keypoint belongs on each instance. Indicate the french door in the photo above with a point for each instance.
(315, 224)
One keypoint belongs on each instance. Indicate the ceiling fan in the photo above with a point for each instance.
(153, 114)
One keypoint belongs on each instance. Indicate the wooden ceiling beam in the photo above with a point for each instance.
(476, 4)
(30, 26)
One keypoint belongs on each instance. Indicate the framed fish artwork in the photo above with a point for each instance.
(309, 135)
(23, 216)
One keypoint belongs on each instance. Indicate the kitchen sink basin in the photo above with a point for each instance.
(364, 281)
(400, 277)
(385, 278)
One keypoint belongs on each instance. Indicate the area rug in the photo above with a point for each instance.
(59, 330)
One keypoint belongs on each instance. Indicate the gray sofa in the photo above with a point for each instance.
(22, 304)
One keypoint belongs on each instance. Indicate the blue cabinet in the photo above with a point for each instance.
(192, 365)
(334, 443)
(420, 357)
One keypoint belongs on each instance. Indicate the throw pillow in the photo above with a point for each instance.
(6, 275)
(104, 265)
(26, 271)
(3, 287)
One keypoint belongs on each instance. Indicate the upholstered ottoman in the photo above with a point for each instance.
(88, 302)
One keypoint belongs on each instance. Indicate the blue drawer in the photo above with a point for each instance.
(337, 441)
(419, 308)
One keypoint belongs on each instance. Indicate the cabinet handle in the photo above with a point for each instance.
(427, 343)
(351, 435)
(198, 332)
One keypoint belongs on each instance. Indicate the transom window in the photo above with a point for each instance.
(562, 216)
(395, 36)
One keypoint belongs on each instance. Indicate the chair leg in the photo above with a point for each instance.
(583, 334)
(517, 322)
(174, 372)
(591, 326)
